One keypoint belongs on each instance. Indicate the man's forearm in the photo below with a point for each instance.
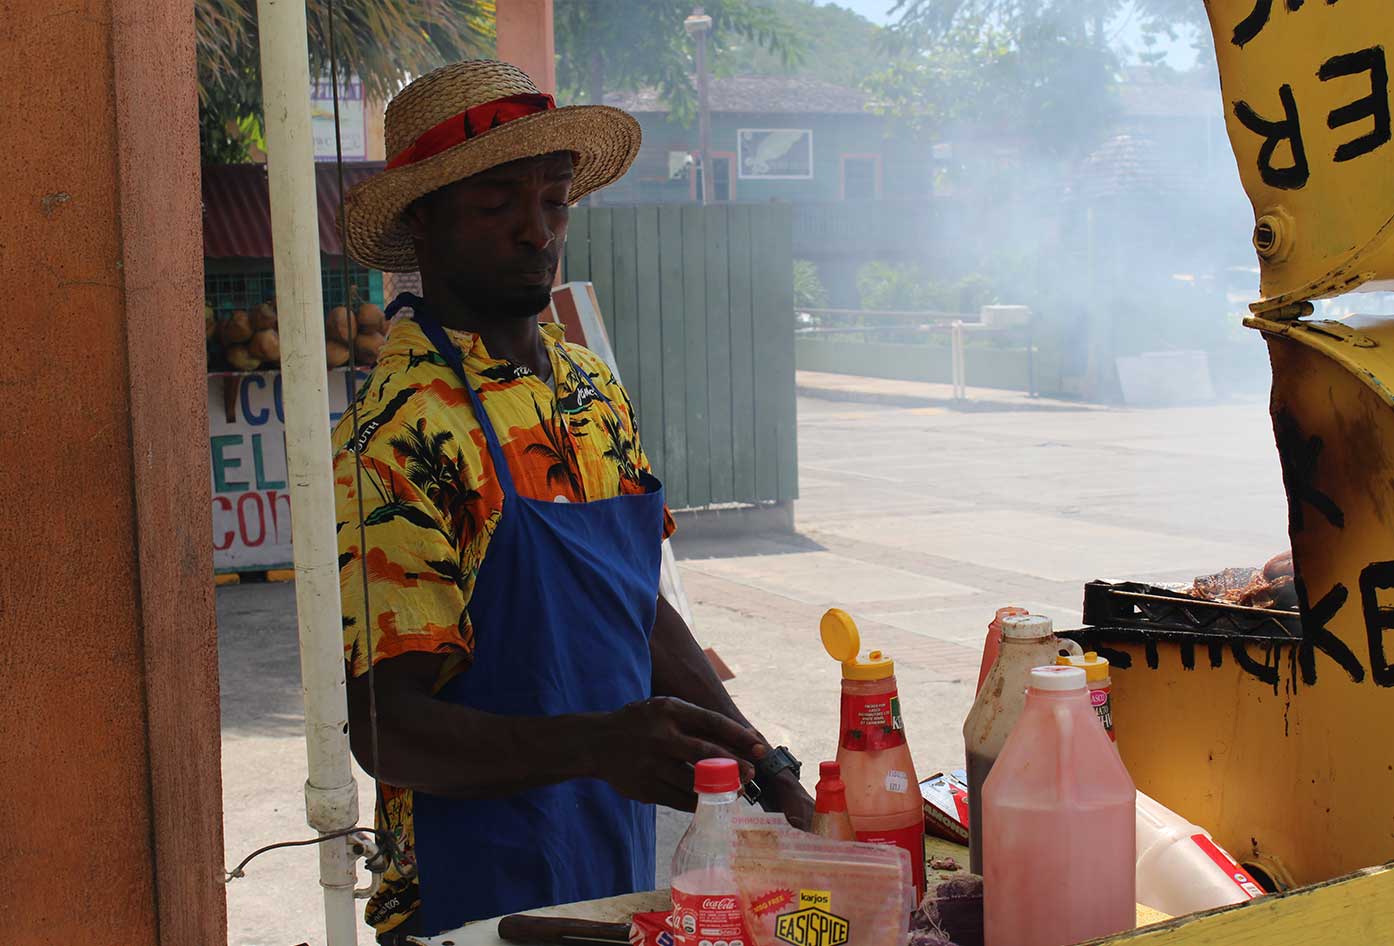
(459, 752)
(680, 668)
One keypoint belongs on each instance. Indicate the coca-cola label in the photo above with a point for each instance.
(705, 920)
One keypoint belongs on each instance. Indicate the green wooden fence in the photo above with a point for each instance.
(698, 303)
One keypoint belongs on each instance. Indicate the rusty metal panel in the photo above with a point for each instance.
(1307, 107)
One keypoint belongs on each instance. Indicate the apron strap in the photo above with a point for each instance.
(561, 350)
(448, 350)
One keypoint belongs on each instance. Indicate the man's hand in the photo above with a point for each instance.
(647, 750)
(788, 796)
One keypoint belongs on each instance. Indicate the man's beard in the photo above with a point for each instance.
(524, 302)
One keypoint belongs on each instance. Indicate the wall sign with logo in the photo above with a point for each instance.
(775, 154)
(247, 447)
(353, 113)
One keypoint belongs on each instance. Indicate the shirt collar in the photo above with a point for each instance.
(404, 335)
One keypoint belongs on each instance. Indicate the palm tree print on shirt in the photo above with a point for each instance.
(556, 449)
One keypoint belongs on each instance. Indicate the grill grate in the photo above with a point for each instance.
(1149, 608)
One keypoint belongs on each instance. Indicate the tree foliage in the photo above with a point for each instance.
(1043, 72)
(839, 45)
(611, 45)
(808, 286)
(908, 287)
(382, 42)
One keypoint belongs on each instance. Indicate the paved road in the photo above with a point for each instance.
(920, 521)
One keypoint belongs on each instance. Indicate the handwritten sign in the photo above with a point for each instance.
(1306, 84)
(352, 119)
(251, 504)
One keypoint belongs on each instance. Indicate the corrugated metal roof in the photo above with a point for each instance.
(1153, 92)
(237, 207)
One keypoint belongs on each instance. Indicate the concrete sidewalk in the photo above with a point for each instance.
(920, 521)
(891, 393)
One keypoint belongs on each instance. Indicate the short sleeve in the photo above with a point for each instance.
(669, 524)
(619, 396)
(416, 587)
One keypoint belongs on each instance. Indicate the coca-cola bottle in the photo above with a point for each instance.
(706, 908)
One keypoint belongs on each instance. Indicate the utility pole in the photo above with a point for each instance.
(698, 26)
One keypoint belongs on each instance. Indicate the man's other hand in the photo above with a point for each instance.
(647, 750)
(788, 796)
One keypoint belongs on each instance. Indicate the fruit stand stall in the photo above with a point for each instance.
(246, 417)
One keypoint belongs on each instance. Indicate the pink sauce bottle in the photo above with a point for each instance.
(883, 793)
(993, 643)
(1059, 809)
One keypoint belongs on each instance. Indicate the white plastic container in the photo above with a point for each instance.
(1180, 868)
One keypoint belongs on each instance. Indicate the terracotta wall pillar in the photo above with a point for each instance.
(108, 650)
(525, 39)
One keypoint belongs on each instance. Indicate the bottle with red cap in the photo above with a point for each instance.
(706, 906)
(830, 818)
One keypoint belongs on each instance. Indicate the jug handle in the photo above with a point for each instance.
(1070, 645)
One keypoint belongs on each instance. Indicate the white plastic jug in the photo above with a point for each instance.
(1180, 868)
(1057, 808)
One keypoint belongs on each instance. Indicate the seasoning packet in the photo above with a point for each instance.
(798, 889)
(945, 797)
(650, 929)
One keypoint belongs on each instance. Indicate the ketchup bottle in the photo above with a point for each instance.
(883, 793)
(830, 818)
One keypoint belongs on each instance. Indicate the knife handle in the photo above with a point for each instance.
(560, 931)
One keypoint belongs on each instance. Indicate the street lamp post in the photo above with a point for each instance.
(698, 26)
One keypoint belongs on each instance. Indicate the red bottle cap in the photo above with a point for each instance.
(714, 776)
(831, 792)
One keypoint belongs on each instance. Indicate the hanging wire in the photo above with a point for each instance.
(350, 291)
(388, 850)
(379, 836)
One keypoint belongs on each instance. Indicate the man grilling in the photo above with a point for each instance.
(534, 695)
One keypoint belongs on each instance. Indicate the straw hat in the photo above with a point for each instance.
(465, 118)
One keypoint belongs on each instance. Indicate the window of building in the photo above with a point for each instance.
(861, 177)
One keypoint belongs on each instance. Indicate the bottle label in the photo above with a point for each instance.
(1239, 875)
(708, 920)
(1102, 702)
(911, 839)
(897, 781)
(871, 723)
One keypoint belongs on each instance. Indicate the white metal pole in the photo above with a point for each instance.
(331, 797)
(956, 359)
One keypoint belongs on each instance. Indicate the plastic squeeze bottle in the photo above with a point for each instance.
(993, 643)
(706, 906)
(1100, 687)
(1060, 806)
(1028, 640)
(830, 818)
(883, 793)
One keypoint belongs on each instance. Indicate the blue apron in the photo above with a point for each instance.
(562, 610)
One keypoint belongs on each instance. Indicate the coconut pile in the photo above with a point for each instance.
(249, 341)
